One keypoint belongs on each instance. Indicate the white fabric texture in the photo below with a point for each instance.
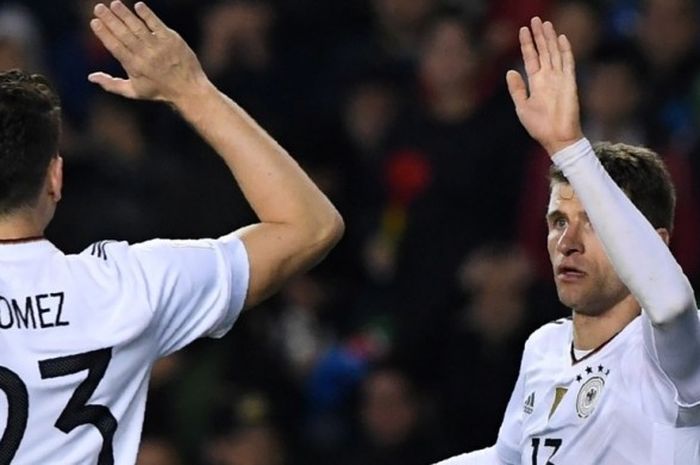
(95, 323)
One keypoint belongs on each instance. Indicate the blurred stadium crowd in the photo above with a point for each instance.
(403, 347)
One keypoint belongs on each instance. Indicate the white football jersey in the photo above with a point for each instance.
(80, 333)
(615, 406)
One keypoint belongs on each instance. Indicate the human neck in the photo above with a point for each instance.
(592, 331)
(20, 226)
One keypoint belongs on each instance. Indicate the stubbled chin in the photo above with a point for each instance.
(568, 296)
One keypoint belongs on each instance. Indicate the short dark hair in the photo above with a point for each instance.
(30, 127)
(642, 174)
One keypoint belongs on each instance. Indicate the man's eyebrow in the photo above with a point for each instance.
(554, 214)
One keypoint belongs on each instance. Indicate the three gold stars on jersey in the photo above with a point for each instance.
(591, 381)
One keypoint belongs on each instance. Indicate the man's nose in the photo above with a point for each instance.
(570, 241)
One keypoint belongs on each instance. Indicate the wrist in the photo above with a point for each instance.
(194, 96)
(554, 147)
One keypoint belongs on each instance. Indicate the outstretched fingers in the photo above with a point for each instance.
(114, 85)
(541, 42)
(517, 88)
(567, 55)
(115, 25)
(547, 104)
(111, 43)
(529, 52)
(153, 22)
(550, 36)
(133, 22)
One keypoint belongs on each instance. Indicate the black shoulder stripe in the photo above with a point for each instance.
(98, 250)
(95, 250)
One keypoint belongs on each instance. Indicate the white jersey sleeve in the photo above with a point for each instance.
(80, 334)
(510, 434)
(646, 266)
(194, 288)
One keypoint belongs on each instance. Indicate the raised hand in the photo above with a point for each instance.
(158, 62)
(551, 111)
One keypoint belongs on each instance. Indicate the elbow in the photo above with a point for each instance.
(672, 307)
(318, 234)
(325, 233)
(681, 305)
(331, 230)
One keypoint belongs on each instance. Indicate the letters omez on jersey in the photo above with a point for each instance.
(40, 311)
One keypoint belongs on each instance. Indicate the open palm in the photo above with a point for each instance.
(158, 62)
(551, 111)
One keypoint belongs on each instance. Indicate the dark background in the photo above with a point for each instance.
(403, 346)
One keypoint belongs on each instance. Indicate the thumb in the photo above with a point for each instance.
(114, 85)
(516, 87)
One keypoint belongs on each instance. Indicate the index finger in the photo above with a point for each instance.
(529, 52)
(135, 25)
(153, 22)
(112, 43)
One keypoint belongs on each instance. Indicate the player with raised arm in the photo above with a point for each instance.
(618, 383)
(80, 333)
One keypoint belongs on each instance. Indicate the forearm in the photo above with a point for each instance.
(640, 258)
(298, 224)
(276, 187)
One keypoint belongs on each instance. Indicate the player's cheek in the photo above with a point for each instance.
(553, 238)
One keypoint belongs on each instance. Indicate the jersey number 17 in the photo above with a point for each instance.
(554, 444)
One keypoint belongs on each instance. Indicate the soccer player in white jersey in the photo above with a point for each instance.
(618, 383)
(80, 333)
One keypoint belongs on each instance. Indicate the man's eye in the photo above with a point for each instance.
(560, 223)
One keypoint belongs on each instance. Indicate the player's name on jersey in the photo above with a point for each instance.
(40, 311)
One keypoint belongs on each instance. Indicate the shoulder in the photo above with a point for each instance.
(103, 250)
(102, 268)
(118, 263)
(165, 262)
(550, 336)
(119, 254)
(187, 255)
(99, 257)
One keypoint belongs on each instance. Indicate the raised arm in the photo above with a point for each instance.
(551, 115)
(298, 225)
(640, 257)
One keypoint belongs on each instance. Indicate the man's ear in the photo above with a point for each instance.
(665, 235)
(56, 178)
